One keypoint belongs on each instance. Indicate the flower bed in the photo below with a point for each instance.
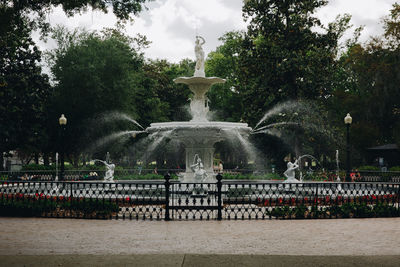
(40, 205)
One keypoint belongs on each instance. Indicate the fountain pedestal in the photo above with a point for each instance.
(199, 86)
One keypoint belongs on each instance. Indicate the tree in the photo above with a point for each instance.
(21, 81)
(367, 86)
(225, 100)
(173, 96)
(283, 56)
(96, 74)
(24, 92)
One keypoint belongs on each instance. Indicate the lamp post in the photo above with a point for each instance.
(348, 120)
(63, 122)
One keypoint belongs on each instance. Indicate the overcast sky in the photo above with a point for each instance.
(172, 24)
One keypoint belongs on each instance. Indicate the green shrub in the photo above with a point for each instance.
(33, 207)
(25, 207)
(239, 192)
(300, 211)
(148, 176)
(384, 210)
(368, 168)
(395, 169)
(38, 167)
(347, 210)
(273, 176)
(90, 206)
(240, 176)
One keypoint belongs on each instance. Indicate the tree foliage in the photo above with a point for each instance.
(24, 91)
(369, 87)
(95, 73)
(283, 55)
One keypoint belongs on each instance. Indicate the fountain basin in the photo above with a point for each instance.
(199, 138)
(199, 85)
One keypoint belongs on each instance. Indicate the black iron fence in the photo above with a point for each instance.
(223, 199)
(229, 174)
(83, 175)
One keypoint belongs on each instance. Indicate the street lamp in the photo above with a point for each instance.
(348, 120)
(63, 122)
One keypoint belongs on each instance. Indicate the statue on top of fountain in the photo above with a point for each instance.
(199, 84)
(198, 50)
(198, 168)
(290, 173)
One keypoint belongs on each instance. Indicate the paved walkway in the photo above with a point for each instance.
(196, 243)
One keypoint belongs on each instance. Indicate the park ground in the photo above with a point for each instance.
(74, 242)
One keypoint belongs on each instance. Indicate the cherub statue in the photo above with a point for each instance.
(290, 173)
(109, 176)
(198, 168)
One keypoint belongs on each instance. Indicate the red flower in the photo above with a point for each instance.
(266, 202)
(373, 197)
(306, 199)
(127, 198)
(280, 200)
(327, 198)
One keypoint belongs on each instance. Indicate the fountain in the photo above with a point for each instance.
(199, 135)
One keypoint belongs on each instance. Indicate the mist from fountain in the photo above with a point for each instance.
(264, 129)
(157, 138)
(115, 116)
(280, 108)
(249, 148)
(112, 137)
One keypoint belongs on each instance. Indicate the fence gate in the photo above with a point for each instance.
(193, 201)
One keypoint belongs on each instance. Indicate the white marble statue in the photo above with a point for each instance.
(198, 168)
(198, 50)
(290, 173)
(109, 176)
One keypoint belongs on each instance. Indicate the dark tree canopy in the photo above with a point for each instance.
(283, 56)
(24, 92)
(122, 9)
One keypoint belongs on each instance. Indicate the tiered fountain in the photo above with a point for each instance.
(199, 135)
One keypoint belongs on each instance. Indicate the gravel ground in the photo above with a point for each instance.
(351, 237)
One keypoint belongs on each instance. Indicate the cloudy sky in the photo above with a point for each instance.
(172, 24)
